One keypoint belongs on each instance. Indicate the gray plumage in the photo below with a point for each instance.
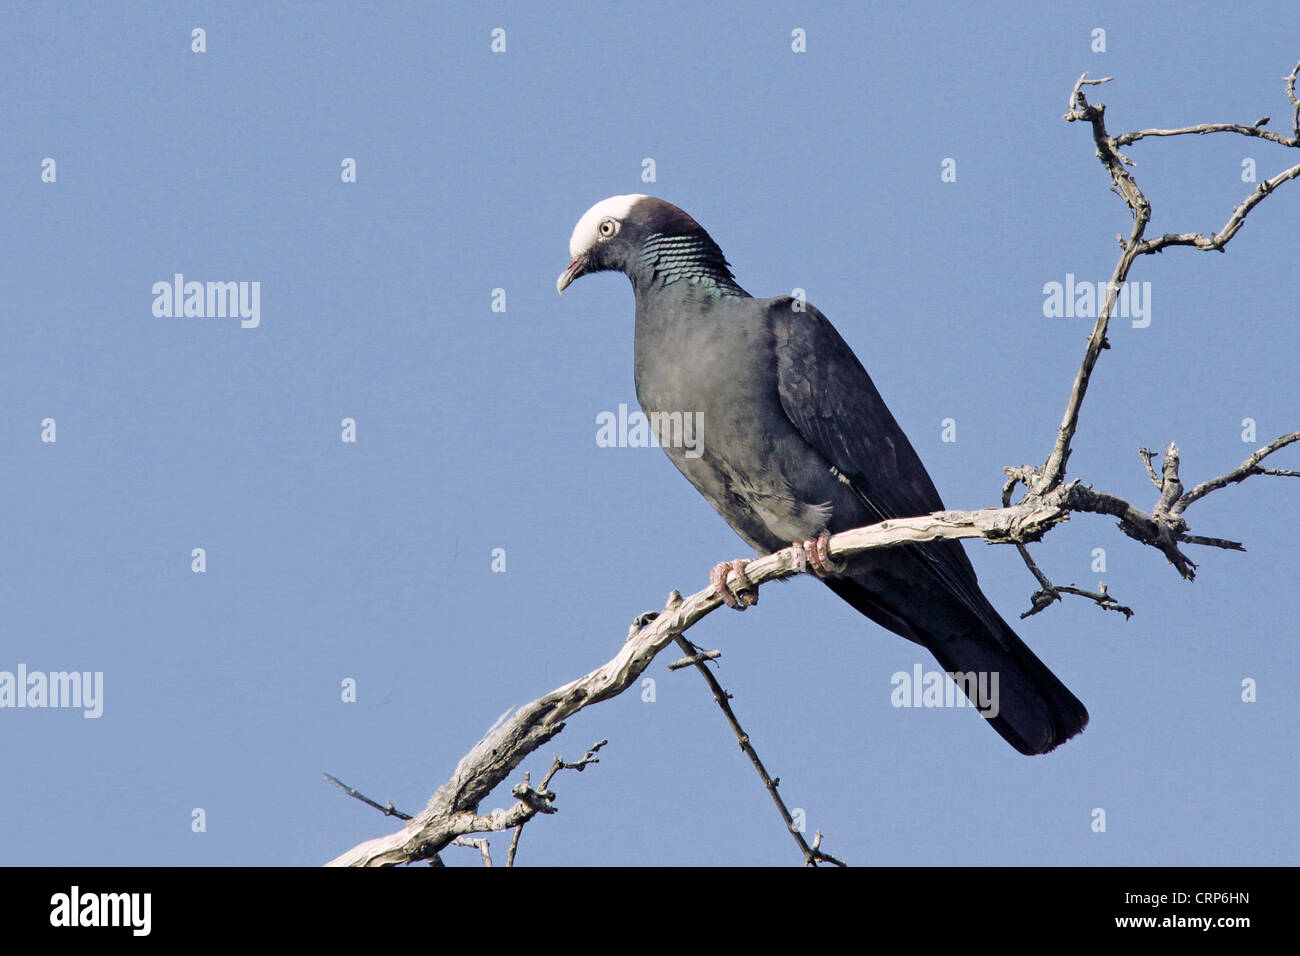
(797, 441)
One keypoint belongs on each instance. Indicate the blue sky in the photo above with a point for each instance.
(371, 561)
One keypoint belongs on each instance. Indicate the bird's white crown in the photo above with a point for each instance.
(585, 234)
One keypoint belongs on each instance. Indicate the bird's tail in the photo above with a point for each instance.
(1024, 701)
(1032, 709)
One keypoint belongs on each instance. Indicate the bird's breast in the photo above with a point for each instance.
(707, 381)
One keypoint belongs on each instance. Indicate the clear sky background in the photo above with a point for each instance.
(476, 429)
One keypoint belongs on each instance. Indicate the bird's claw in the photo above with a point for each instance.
(744, 596)
(815, 553)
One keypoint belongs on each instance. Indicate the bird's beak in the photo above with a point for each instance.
(576, 268)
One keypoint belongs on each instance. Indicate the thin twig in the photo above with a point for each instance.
(1147, 454)
(1295, 103)
(1257, 131)
(1049, 593)
(514, 845)
(476, 843)
(811, 855)
(1243, 471)
(825, 857)
(695, 658)
(387, 810)
(557, 764)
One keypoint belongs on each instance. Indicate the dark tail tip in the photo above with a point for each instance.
(1032, 710)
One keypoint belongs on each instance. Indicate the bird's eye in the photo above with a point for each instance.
(608, 228)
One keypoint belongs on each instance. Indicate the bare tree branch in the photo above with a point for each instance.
(816, 848)
(556, 766)
(1147, 454)
(1243, 471)
(812, 855)
(1048, 593)
(388, 811)
(477, 843)
(1257, 130)
(1108, 151)
(452, 810)
(1295, 103)
(697, 658)
(1235, 222)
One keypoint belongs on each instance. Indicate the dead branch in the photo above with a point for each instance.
(452, 811)
(1108, 151)
(1243, 471)
(556, 766)
(389, 810)
(476, 843)
(812, 855)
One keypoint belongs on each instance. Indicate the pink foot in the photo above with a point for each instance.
(746, 596)
(816, 553)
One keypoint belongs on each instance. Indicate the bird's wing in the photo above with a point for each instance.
(831, 400)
